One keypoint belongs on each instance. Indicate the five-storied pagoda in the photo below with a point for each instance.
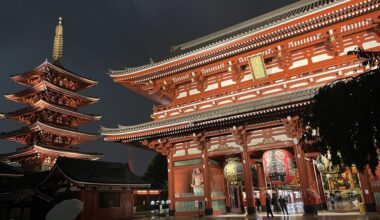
(51, 116)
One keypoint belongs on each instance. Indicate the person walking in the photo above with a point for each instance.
(268, 203)
(284, 205)
(258, 204)
(276, 207)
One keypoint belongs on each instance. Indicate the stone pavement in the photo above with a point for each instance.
(262, 216)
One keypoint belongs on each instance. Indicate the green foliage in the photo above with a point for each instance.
(345, 118)
(157, 172)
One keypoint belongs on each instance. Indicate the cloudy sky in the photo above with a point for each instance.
(103, 34)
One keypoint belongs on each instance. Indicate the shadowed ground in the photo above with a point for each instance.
(322, 215)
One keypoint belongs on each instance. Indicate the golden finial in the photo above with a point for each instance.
(58, 42)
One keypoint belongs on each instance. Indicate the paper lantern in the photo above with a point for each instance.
(278, 166)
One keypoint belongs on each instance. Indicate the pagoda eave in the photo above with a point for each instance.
(21, 77)
(41, 105)
(35, 149)
(43, 86)
(39, 126)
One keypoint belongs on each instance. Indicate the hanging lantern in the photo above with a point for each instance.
(279, 166)
(233, 172)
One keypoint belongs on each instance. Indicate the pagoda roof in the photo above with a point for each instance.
(31, 150)
(43, 86)
(41, 105)
(236, 32)
(196, 120)
(9, 170)
(39, 126)
(85, 172)
(46, 64)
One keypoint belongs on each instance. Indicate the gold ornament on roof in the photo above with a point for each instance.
(58, 42)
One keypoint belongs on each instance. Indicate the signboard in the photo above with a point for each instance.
(257, 65)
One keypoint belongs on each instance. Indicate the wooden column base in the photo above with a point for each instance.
(370, 207)
(251, 210)
(209, 211)
(228, 209)
(309, 210)
(171, 212)
(323, 206)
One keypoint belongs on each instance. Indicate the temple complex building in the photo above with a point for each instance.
(51, 118)
(230, 107)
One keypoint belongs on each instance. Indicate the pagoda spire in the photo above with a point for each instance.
(58, 43)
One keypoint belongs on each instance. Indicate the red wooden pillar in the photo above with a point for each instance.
(248, 184)
(367, 193)
(302, 170)
(312, 178)
(227, 198)
(207, 182)
(171, 184)
(321, 190)
(262, 185)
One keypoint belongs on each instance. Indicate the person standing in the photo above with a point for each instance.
(268, 203)
(332, 201)
(284, 205)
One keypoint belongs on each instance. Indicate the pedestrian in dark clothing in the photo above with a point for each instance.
(276, 207)
(284, 205)
(258, 205)
(268, 201)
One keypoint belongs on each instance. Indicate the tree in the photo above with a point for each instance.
(345, 117)
(157, 172)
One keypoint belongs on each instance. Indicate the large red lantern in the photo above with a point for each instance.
(278, 166)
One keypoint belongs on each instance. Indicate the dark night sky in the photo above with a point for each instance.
(102, 34)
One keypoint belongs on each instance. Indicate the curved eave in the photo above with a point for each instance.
(40, 105)
(39, 126)
(18, 78)
(169, 131)
(42, 86)
(206, 118)
(159, 98)
(97, 184)
(222, 42)
(50, 150)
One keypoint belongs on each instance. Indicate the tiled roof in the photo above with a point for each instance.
(47, 64)
(253, 25)
(97, 172)
(62, 150)
(8, 170)
(30, 180)
(220, 112)
(42, 104)
(272, 18)
(39, 126)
